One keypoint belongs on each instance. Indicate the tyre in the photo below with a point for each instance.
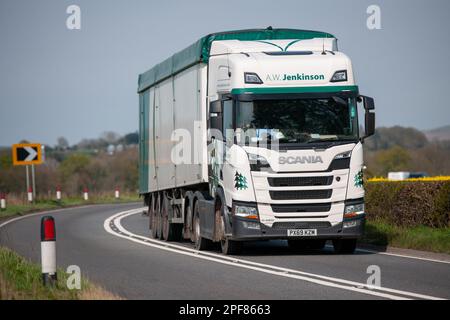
(150, 215)
(344, 246)
(227, 246)
(230, 247)
(158, 218)
(170, 231)
(186, 230)
(200, 242)
(154, 217)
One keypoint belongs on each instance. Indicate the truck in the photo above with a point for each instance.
(254, 135)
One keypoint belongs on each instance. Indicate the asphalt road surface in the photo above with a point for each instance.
(112, 246)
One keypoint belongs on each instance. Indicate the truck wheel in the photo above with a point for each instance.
(346, 246)
(200, 242)
(230, 247)
(227, 246)
(149, 213)
(151, 209)
(158, 219)
(187, 226)
(153, 218)
(170, 231)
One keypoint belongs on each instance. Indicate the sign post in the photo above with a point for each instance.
(33, 179)
(26, 154)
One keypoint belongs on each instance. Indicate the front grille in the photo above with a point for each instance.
(312, 207)
(300, 181)
(300, 194)
(301, 225)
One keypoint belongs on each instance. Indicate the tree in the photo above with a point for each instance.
(110, 137)
(393, 159)
(75, 163)
(131, 138)
(5, 159)
(62, 143)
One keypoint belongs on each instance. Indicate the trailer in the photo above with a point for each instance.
(252, 135)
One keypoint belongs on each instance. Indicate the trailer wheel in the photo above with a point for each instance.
(170, 231)
(200, 242)
(344, 246)
(150, 212)
(154, 217)
(187, 226)
(157, 219)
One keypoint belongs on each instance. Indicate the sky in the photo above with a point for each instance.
(80, 83)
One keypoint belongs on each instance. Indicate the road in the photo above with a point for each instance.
(111, 245)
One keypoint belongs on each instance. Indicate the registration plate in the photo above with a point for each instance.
(302, 232)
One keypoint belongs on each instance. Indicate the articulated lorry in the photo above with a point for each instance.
(254, 135)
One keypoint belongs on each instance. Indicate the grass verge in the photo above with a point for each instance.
(21, 280)
(41, 205)
(424, 238)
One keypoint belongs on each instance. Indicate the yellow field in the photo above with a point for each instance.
(437, 178)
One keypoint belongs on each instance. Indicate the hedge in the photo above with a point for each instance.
(409, 203)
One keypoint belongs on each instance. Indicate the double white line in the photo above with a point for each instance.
(114, 227)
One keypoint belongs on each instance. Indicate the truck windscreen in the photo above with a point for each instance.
(298, 120)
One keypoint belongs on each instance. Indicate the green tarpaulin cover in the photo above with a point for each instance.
(199, 51)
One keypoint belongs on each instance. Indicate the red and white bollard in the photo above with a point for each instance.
(117, 193)
(58, 193)
(48, 250)
(30, 194)
(2, 201)
(86, 194)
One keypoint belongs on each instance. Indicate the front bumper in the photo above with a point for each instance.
(242, 232)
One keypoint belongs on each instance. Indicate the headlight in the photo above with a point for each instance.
(257, 162)
(339, 76)
(343, 155)
(353, 210)
(351, 223)
(246, 212)
(251, 77)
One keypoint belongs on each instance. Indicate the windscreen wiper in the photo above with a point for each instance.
(322, 140)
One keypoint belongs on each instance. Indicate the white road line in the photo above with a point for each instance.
(397, 255)
(114, 221)
(52, 211)
(402, 256)
(40, 213)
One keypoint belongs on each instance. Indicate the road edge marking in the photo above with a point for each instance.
(247, 264)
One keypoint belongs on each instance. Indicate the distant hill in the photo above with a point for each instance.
(388, 137)
(441, 133)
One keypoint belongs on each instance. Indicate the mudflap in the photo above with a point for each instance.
(206, 215)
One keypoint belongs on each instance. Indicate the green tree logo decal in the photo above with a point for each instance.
(240, 182)
(359, 179)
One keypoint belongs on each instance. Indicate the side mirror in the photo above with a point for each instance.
(368, 102)
(215, 115)
(369, 123)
